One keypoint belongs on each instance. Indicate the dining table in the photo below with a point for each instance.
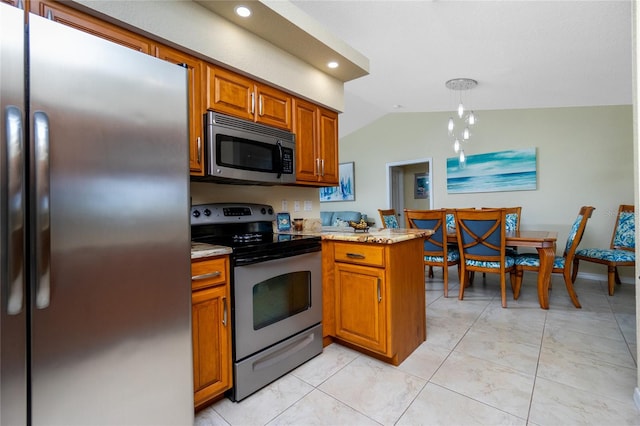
(544, 242)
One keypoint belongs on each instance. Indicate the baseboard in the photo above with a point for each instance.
(603, 277)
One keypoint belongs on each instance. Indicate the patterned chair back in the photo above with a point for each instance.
(389, 218)
(576, 232)
(624, 234)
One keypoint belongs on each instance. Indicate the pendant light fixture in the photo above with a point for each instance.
(459, 130)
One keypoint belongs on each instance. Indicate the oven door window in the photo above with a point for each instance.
(246, 154)
(281, 297)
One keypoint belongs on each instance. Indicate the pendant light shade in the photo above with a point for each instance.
(466, 115)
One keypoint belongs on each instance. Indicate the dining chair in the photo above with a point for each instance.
(481, 242)
(436, 250)
(621, 251)
(561, 264)
(389, 218)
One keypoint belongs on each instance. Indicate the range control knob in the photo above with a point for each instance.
(196, 213)
(207, 212)
(263, 211)
(270, 210)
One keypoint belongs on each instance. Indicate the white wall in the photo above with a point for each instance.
(584, 155)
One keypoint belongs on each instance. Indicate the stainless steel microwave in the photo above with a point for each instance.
(241, 151)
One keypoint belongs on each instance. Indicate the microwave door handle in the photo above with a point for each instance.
(280, 161)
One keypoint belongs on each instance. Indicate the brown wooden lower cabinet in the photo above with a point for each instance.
(374, 297)
(211, 328)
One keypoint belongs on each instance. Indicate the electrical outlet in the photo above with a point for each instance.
(285, 206)
(308, 206)
(296, 206)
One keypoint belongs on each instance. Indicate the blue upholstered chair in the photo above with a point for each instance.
(561, 264)
(481, 242)
(621, 251)
(389, 218)
(436, 250)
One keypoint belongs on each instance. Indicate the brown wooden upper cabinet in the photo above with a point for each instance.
(195, 71)
(316, 130)
(239, 96)
(88, 24)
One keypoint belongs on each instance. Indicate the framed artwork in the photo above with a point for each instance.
(513, 170)
(346, 190)
(420, 185)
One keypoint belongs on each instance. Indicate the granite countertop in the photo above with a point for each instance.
(374, 235)
(377, 235)
(199, 250)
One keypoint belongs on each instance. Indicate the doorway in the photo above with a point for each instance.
(409, 186)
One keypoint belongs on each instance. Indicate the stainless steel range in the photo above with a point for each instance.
(276, 291)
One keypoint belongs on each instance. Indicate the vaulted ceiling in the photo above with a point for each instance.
(524, 54)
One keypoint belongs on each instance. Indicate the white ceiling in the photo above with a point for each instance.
(524, 54)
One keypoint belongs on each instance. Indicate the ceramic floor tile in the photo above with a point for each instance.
(603, 324)
(476, 367)
(566, 366)
(500, 347)
(425, 360)
(264, 405)
(487, 382)
(612, 350)
(436, 406)
(378, 390)
(333, 358)
(209, 417)
(317, 409)
(557, 404)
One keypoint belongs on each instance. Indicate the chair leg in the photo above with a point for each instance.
(464, 277)
(503, 289)
(617, 276)
(516, 283)
(572, 294)
(430, 271)
(611, 278)
(445, 278)
(574, 274)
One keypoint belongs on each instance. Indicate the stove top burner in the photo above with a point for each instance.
(248, 230)
(241, 238)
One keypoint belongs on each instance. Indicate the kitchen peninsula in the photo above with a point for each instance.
(373, 291)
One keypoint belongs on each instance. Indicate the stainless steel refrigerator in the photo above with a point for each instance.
(94, 210)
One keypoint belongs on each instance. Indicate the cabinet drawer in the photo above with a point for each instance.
(361, 254)
(209, 272)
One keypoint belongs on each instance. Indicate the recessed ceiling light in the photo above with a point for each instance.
(332, 64)
(398, 106)
(243, 11)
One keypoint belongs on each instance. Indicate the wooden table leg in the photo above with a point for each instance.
(547, 255)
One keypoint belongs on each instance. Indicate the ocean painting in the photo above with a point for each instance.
(513, 170)
(346, 191)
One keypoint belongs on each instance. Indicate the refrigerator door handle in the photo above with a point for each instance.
(43, 230)
(15, 217)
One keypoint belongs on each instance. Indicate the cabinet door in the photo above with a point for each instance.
(230, 93)
(361, 306)
(195, 67)
(211, 343)
(88, 24)
(274, 107)
(328, 141)
(306, 130)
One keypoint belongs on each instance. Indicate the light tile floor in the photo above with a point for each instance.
(481, 364)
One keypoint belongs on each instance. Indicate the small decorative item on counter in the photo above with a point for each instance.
(359, 226)
(298, 224)
(283, 221)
